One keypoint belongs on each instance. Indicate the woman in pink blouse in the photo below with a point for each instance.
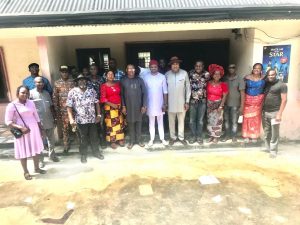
(30, 144)
(216, 96)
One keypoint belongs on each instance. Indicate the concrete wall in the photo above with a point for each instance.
(241, 51)
(18, 54)
(57, 55)
(116, 42)
(290, 127)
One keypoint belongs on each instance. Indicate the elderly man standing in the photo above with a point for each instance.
(45, 110)
(83, 101)
(179, 93)
(60, 95)
(157, 96)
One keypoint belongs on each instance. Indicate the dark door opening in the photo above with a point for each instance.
(89, 56)
(216, 51)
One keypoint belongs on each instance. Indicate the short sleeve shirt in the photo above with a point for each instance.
(273, 93)
(198, 85)
(43, 103)
(83, 104)
(235, 85)
(215, 93)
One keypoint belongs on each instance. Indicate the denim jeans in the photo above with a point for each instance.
(231, 116)
(197, 112)
(271, 131)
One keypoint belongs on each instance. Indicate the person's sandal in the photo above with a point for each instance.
(113, 145)
(27, 176)
(40, 171)
(122, 143)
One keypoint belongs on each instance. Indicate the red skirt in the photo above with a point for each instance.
(252, 116)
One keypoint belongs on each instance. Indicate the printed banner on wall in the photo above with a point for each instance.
(277, 57)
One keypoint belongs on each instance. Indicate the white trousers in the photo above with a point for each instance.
(172, 118)
(160, 123)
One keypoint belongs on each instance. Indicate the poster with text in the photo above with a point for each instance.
(277, 57)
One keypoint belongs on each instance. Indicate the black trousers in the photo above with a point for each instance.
(271, 131)
(135, 131)
(88, 134)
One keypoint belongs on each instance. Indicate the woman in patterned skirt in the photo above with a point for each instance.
(111, 98)
(216, 96)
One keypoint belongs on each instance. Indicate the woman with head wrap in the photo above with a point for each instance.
(216, 96)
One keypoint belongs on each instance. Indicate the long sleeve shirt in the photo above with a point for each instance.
(179, 90)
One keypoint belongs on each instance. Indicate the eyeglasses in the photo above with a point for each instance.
(231, 67)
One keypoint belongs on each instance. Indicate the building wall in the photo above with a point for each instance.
(57, 55)
(290, 126)
(241, 52)
(18, 54)
(116, 42)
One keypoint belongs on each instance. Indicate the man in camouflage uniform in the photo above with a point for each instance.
(60, 95)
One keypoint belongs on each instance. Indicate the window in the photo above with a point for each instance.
(3, 79)
(144, 59)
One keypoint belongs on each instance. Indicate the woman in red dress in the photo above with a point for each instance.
(111, 97)
(216, 96)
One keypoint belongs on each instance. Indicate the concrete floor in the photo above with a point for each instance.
(253, 189)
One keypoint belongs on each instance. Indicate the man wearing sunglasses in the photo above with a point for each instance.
(234, 105)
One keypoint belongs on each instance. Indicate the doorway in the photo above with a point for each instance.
(89, 56)
(212, 51)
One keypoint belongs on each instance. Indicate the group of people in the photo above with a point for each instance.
(98, 107)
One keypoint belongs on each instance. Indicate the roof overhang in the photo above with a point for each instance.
(146, 16)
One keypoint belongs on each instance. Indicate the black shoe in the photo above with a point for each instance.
(53, 156)
(192, 140)
(99, 156)
(83, 159)
(40, 171)
(103, 145)
(224, 139)
(130, 146)
(183, 142)
(171, 142)
(200, 141)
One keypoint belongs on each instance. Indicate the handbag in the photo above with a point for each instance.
(16, 131)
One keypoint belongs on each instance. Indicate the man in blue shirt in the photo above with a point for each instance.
(34, 69)
(119, 74)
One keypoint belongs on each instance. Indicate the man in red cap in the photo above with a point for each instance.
(157, 98)
(179, 93)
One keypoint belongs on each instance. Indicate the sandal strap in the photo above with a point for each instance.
(27, 176)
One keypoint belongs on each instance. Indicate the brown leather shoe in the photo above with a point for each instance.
(141, 144)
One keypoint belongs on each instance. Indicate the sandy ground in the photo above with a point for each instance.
(159, 187)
